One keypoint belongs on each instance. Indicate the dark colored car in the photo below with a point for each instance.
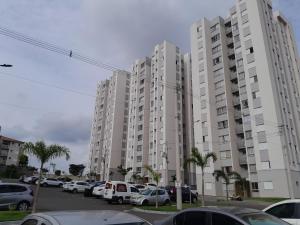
(221, 216)
(88, 192)
(186, 192)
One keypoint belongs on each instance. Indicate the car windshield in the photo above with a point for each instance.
(262, 219)
(147, 192)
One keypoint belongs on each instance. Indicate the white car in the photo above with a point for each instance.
(66, 185)
(30, 180)
(119, 192)
(140, 187)
(51, 182)
(98, 191)
(288, 210)
(77, 186)
(150, 186)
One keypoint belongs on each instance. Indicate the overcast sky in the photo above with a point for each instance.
(113, 31)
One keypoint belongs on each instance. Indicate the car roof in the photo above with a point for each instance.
(24, 185)
(230, 210)
(94, 217)
(283, 202)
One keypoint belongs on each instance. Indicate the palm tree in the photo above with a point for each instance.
(156, 177)
(123, 171)
(44, 154)
(225, 176)
(136, 177)
(243, 181)
(201, 161)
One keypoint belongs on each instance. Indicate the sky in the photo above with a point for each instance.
(115, 32)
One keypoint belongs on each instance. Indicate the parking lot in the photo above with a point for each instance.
(52, 199)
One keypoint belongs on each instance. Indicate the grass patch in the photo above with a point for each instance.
(269, 200)
(170, 208)
(12, 215)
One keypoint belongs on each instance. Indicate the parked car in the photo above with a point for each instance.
(77, 186)
(64, 179)
(140, 187)
(19, 196)
(150, 186)
(104, 217)
(30, 180)
(99, 191)
(221, 216)
(66, 185)
(51, 182)
(148, 197)
(119, 191)
(186, 193)
(288, 210)
(88, 191)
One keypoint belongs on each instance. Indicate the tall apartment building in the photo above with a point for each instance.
(139, 111)
(157, 128)
(109, 129)
(9, 151)
(246, 84)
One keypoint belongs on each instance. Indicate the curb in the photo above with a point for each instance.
(150, 211)
(16, 222)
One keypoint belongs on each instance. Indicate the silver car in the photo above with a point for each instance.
(104, 217)
(148, 197)
(15, 196)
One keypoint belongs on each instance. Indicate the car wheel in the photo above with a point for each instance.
(75, 191)
(60, 185)
(120, 200)
(145, 202)
(23, 206)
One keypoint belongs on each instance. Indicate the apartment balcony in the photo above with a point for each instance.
(241, 143)
(205, 146)
(231, 51)
(254, 87)
(233, 76)
(234, 88)
(250, 58)
(243, 159)
(242, 82)
(256, 103)
(236, 101)
(232, 63)
(237, 114)
(229, 41)
(249, 143)
(239, 129)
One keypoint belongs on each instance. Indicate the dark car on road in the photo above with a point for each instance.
(17, 196)
(221, 216)
(88, 191)
(187, 194)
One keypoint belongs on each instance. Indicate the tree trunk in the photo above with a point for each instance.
(202, 200)
(156, 200)
(37, 190)
(227, 194)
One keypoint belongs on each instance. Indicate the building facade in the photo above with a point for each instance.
(109, 130)
(245, 74)
(9, 151)
(160, 121)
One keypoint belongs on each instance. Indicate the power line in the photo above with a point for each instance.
(46, 84)
(54, 48)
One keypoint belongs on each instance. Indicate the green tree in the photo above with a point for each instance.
(241, 180)
(23, 160)
(76, 169)
(57, 173)
(44, 154)
(136, 177)
(225, 176)
(123, 171)
(156, 177)
(201, 161)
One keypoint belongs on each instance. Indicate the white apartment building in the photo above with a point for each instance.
(10, 150)
(109, 129)
(246, 84)
(160, 123)
(139, 111)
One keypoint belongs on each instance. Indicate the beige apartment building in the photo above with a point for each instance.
(109, 130)
(246, 84)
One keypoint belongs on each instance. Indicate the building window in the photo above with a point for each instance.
(254, 187)
(215, 38)
(268, 185)
(219, 84)
(240, 62)
(221, 110)
(139, 159)
(217, 60)
(216, 49)
(141, 108)
(140, 137)
(223, 124)
(140, 127)
(225, 154)
(220, 97)
(248, 135)
(139, 148)
(141, 90)
(224, 139)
